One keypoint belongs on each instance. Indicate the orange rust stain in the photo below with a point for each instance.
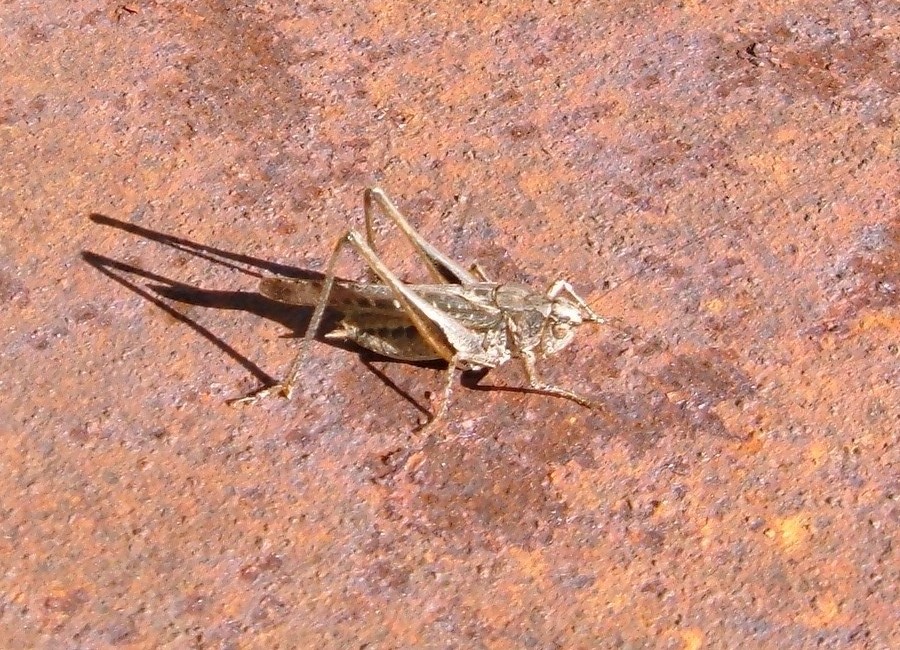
(534, 183)
(578, 487)
(715, 306)
(826, 609)
(880, 320)
(792, 532)
(818, 452)
(709, 531)
(753, 445)
(773, 167)
(531, 564)
(693, 639)
(788, 134)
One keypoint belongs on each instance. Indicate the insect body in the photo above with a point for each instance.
(463, 318)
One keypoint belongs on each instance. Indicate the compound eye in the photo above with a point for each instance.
(560, 331)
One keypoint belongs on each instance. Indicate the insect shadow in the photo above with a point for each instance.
(705, 378)
(161, 289)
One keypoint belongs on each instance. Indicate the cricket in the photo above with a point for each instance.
(463, 317)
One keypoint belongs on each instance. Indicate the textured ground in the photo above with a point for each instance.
(722, 178)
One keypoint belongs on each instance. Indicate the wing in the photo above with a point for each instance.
(345, 296)
(471, 304)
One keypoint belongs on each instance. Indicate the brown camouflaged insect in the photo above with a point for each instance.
(463, 318)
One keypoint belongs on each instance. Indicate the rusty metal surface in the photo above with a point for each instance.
(723, 178)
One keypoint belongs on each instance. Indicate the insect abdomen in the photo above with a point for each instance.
(397, 340)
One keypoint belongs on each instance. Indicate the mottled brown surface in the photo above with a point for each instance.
(722, 178)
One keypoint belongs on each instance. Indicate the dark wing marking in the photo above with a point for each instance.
(472, 305)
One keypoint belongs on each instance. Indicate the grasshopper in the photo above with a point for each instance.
(464, 318)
